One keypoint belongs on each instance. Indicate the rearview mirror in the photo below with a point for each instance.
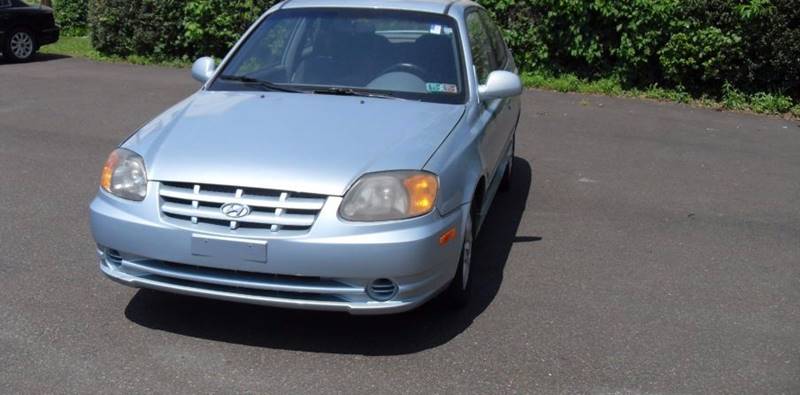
(500, 85)
(203, 69)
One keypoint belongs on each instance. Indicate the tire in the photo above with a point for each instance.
(506, 183)
(459, 291)
(20, 45)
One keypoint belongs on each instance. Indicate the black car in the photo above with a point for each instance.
(24, 28)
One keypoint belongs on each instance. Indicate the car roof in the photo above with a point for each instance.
(433, 6)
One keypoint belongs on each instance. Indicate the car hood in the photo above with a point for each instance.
(287, 141)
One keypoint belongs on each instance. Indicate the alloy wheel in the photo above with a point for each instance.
(22, 45)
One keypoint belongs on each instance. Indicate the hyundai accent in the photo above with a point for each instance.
(342, 156)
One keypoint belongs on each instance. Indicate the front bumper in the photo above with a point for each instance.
(329, 268)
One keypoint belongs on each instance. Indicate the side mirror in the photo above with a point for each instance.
(203, 69)
(500, 85)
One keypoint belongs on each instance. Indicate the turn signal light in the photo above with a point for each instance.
(108, 170)
(422, 189)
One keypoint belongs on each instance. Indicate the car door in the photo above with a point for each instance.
(508, 109)
(494, 114)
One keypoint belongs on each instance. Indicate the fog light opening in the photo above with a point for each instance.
(382, 289)
(113, 255)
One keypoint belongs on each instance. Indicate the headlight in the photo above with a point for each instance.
(124, 175)
(390, 196)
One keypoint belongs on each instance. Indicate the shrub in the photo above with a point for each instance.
(150, 28)
(71, 15)
(588, 37)
(213, 26)
(171, 28)
(770, 103)
(700, 57)
(110, 26)
(700, 44)
(732, 98)
(795, 111)
(768, 57)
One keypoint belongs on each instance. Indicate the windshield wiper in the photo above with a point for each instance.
(265, 85)
(351, 92)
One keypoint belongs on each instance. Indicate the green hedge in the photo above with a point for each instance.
(71, 15)
(168, 29)
(699, 46)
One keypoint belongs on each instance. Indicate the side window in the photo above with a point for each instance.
(498, 44)
(5, 3)
(480, 45)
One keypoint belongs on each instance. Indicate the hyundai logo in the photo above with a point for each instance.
(235, 210)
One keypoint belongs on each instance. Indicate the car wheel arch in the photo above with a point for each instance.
(25, 28)
(476, 204)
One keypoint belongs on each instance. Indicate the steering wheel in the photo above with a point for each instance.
(408, 68)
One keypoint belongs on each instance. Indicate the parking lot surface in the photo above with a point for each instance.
(645, 248)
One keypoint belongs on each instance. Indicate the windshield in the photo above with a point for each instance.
(401, 54)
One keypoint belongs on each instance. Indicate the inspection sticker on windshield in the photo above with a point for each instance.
(439, 29)
(441, 88)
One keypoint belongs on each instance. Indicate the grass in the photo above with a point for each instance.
(81, 47)
(731, 99)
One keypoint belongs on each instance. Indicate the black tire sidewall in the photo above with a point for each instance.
(456, 294)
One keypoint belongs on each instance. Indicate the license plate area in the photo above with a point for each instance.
(229, 248)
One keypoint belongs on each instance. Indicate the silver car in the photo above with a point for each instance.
(341, 157)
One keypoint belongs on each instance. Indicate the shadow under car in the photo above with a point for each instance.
(429, 326)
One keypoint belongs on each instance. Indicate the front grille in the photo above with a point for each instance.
(199, 207)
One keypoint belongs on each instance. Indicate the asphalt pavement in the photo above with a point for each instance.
(645, 248)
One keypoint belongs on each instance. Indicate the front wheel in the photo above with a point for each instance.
(460, 289)
(20, 46)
